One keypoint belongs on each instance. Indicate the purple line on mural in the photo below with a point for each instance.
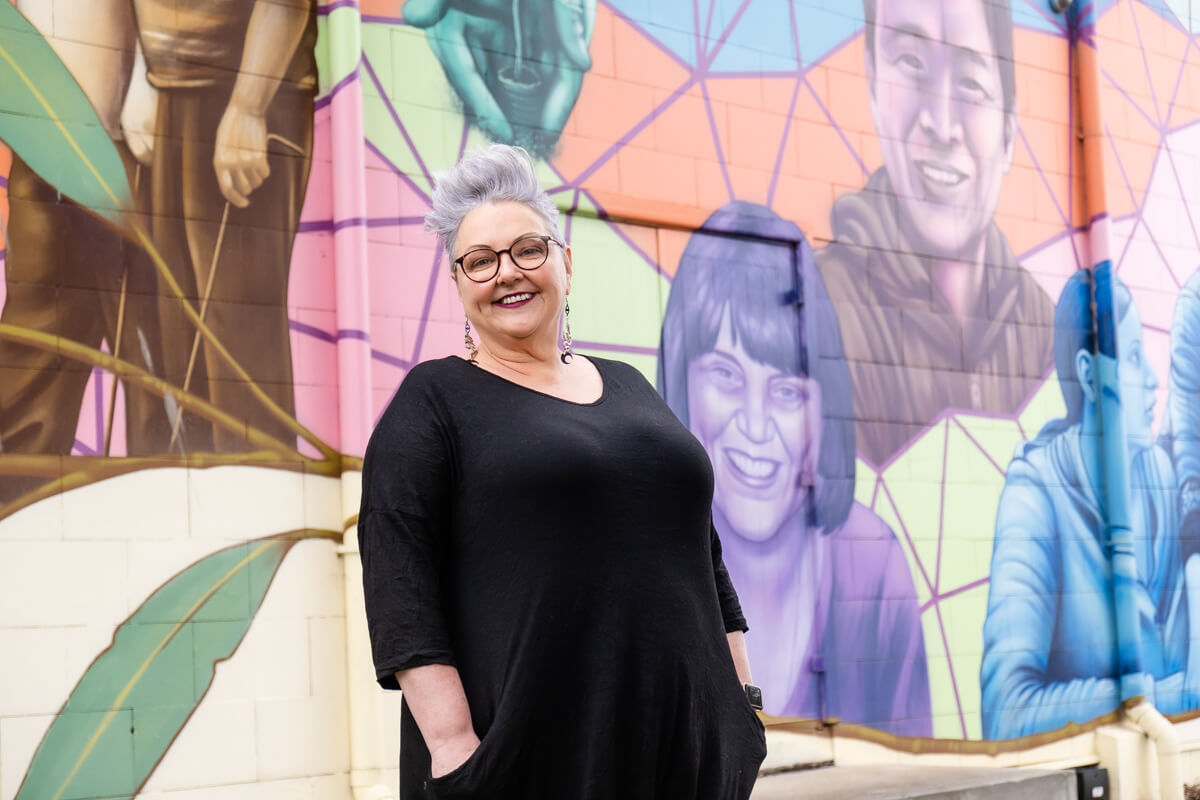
(353, 333)
(98, 405)
(1156, 328)
(312, 331)
(429, 290)
(841, 134)
(1183, 202)
(327, 98)
(795, 36)
(1052, 241)
(980, 448)
(1121, 166)
(399, 172)
(632, 349)
(711, 55)
(390, 360)
(716, 137)
(628, 20)
(712, 5)
(328, 225)
(84, 450)
(616, 228)
(391, 109)
(335, 5)
(887, 493)
(937, 568)
(3, 181)
(629, 135)
(1121, 90)
(1046, 15)
(966, 587)
(382, 19)
(1062, 215)
(787, 129)
(875, 492)
(962, 720)
(570, 217)
(770, 73)
(462, 143)
(1137, 29)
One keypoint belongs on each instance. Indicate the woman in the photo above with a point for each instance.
(541, 574)
(1048, 653)
(751, 360)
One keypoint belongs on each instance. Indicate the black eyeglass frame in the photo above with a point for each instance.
(458, 262)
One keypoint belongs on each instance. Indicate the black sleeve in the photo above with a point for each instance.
(403, 526)
(731, 609)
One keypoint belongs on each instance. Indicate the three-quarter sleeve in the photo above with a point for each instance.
(403, 527)
(731, 608)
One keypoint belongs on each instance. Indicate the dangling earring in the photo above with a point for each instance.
(472, 350)
(567, 355)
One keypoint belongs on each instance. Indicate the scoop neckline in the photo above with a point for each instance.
(603, 383)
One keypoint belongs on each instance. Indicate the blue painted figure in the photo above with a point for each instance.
(1049, 640)
(760, 379)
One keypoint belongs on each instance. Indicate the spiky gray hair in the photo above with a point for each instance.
(492, 174)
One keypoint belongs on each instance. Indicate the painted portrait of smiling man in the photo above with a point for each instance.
(935, 311)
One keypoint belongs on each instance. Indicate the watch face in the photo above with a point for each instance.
(754, 695)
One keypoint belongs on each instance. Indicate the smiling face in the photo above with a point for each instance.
(938, 104)
(517, 306)
(1138, 382)
(761, 428)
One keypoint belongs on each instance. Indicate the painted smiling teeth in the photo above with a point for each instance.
(939, 175)
(753, 467)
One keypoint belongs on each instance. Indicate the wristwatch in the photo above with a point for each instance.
(753, 696)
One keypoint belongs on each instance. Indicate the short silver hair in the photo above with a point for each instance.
(492, 174)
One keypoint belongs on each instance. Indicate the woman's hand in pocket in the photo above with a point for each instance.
(450, 754)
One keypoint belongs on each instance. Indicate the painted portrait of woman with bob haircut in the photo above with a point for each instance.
(751, 360)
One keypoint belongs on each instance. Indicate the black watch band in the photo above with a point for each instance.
(753, 696)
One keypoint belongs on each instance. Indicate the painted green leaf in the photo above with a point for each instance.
(137, 695)
(46, 119)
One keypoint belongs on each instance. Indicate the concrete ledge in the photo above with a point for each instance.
(892, 782)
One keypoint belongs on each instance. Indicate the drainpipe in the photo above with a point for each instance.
(1139, 706)
(352, 315)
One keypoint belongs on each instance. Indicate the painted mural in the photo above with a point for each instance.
(848, 242)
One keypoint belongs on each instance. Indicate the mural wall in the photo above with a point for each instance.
(858, 248)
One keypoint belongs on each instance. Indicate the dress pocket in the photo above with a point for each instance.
(461, 782)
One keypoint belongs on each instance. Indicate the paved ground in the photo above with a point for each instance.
(892, 782)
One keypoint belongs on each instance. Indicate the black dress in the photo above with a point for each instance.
(562, 557)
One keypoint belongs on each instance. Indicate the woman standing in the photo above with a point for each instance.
(751, 360)
(541, 574)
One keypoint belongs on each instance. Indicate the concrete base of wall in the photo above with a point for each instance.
(927, 783)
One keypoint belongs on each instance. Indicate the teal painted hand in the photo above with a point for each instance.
(516, 65)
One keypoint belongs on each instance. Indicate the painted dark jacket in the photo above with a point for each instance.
(866, 637)
(909, 357)
(1049, 639)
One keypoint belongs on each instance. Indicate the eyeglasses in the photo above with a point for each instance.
(528, 253)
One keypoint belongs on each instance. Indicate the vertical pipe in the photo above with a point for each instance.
(1135, 691)
(352, 313)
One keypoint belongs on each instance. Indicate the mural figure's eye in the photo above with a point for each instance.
(790, 393)
(910, 62)
(725, 376)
